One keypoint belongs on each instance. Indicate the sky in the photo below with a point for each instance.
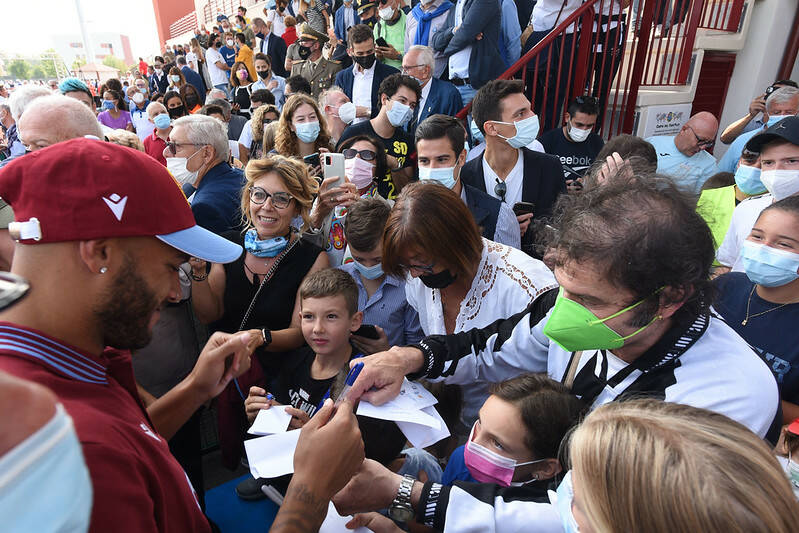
(28, 24)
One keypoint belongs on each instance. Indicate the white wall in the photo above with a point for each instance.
(757, 64)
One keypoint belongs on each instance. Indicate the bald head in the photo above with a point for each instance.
(705, 124)
(52, 119)
(697, 134)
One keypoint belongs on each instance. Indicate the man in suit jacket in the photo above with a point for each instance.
(271, 45)
(472, 61)
(441, 155)
(346, 17)
(507, 170)
(361, 81)
(192, 78)
(438, 96)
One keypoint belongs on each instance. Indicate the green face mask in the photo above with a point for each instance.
(574, 328)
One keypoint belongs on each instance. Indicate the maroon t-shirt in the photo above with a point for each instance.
(138, 484)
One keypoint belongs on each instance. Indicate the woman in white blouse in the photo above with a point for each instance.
(457, 280)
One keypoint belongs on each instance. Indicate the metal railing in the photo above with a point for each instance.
(212, 8)
(609, 52)
(186, 23)
(722, 15)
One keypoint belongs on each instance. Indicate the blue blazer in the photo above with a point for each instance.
(275, 47)
(159, 85)
(484, 208)
(479, 16)
(338, 23)
(345, 79)
(443, 98)
(216, 204)
(195, 80)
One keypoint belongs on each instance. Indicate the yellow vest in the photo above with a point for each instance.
(716, 207)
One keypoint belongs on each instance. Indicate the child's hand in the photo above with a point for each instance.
(298, 417)
(257, 399)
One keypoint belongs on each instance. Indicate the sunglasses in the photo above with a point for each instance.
(259, 196)
(366, 155)
(173, 146)
(501, 189)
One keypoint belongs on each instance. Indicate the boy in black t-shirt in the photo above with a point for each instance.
(329, 313)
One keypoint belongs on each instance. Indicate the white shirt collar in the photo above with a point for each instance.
(365, 72)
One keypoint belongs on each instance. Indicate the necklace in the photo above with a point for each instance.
(749, 301)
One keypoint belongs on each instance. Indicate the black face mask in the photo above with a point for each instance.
(441, 280)
(365, 61)
(263, 74)
(192, 101)
(304, 52)
(177, 112)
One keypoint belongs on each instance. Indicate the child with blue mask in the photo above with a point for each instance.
(381, 297)
(762, 303)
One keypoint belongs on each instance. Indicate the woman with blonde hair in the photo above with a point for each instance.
(260, 289)
(125, 138)
(302, 130)
(176, 79)
(657, 467)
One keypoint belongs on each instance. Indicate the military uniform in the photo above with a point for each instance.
(321, 75)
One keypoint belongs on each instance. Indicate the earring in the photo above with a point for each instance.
(103, 270)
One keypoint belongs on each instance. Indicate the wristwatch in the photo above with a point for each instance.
(267, 335)
(401, 509)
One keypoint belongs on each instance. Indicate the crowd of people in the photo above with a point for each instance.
(607, 324)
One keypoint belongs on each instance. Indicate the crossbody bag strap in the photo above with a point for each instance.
(571, 371)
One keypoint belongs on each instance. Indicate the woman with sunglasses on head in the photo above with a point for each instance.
(762, 303)
(259, 290)
(458, 280)
(364, 159)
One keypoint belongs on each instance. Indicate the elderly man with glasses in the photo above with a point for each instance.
(684, 157)
(197, 155)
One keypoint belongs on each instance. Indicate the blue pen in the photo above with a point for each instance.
(269, 396)
(351, 377)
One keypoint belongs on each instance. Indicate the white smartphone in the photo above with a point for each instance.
(332, 166)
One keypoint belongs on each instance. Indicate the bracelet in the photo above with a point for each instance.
(199, 278)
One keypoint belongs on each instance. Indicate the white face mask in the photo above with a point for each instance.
(346, 112)
(780, 183)
(177, 166)
(578, 135)
(386, 13)
(138, 98)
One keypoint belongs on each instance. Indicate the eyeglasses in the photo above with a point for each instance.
(427, 269)
(583, 100)
(500, 189)
(173, 146)
(700, 141)
(366, 155)
(259, 196)
(409, 67)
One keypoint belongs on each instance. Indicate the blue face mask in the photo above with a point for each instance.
(108, 105)
(444, 176)
(162, 121)
(773, 119)
(46, 476)
(267, 248)
(372, 272)
(307, 132)
(399, 114)
(769, 266)
(748, 180)
(565, 497)
(477, 135)
(526, 131)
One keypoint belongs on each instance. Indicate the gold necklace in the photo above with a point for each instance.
(749, 301)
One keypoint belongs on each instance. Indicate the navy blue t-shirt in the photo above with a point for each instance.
(456, 469)
(774, 335)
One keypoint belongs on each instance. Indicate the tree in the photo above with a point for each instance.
(49, 57)
(115, 62)
(20, 69)
(38, 72)
(78, 63)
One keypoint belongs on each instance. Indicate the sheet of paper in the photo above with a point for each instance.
(395, 414)
(422, 436)
(412, 396)
(335, 523)
(271, 421)
(273, 455)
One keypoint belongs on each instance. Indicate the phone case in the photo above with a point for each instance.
(333, 165)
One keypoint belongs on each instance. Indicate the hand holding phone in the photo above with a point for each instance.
(523, 208)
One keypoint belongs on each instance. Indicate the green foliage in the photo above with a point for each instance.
(38, 72)
(20, 69)
(115, 62)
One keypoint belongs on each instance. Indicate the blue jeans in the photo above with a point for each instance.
(467, 93)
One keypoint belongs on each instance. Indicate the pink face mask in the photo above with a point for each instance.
(359, 172)
(489, 467)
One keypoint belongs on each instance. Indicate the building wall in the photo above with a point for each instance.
(70, 47)
(167, 12)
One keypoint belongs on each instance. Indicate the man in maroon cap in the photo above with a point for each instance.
(101, 232)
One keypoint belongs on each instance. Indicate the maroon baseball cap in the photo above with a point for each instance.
(85, 189)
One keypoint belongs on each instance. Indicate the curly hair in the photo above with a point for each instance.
(257, 122)
(286, 142)
(294, 174)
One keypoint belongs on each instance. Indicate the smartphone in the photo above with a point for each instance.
(523, 208)
(332, 166)
(312, 160)
(381, 42)
(368, 331)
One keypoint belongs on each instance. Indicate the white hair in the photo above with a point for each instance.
(21, 98)
(153, 106)
(327, 92)
(425, 54)
(783, 95)
(217, 93)
(204, 130)
(69, 116)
